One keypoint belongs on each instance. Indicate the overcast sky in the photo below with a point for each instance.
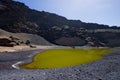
(95, 11)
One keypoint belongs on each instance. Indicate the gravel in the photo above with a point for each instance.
(106, 69)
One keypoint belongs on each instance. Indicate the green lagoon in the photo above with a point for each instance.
(58, 58)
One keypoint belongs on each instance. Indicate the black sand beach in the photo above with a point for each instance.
(106, 69)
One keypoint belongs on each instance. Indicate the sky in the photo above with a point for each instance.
(91, 11)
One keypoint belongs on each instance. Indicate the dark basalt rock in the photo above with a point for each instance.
(6, 42)
(71, 41)
(10, 41)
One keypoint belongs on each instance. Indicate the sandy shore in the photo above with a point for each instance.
(24, 48)
(106, 69)
(27, 48)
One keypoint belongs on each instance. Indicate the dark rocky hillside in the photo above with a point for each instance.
(17, 17)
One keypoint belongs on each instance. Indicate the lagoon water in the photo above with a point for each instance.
(57, 58)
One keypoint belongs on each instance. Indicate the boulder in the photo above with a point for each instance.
(6, 41)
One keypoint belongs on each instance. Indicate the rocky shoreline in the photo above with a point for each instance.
(106, 69)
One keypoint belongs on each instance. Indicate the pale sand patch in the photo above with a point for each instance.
(12, 49)
(24, 47)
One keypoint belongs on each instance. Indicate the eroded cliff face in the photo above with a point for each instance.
(17, 17)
